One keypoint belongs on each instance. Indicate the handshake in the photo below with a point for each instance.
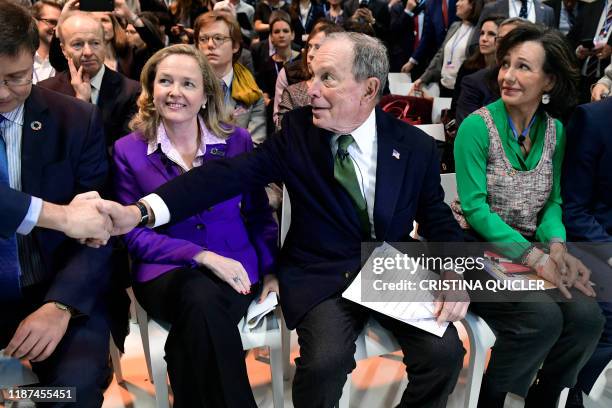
(89, 218)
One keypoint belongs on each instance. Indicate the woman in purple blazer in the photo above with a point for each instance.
(198, 274)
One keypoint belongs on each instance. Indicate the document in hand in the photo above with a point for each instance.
(257, 311)
(13, 372)
(414, 307)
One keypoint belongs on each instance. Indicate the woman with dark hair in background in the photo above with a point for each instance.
(334, 11)
(508, 159)
(445, 65)
(295, 94)
(304, 15)
(267, 68)
(483, 57)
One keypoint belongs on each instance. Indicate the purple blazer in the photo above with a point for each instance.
(241, 228)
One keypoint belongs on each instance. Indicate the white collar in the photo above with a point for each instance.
(96, 81)
(363, 134)
(15, 116)
(228, 78)
(163, 141)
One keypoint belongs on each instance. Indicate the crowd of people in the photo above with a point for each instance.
(145, 146)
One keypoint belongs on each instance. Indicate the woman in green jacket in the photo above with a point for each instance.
(508, 161)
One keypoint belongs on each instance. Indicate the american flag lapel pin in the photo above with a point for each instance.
(395, 154)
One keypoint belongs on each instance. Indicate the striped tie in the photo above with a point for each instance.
(9, 258)
(606, 26)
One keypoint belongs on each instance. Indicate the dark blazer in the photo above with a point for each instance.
(64, 158)
(544, 15)
(586, 22)
(401, 38)
(380, 12)
(322, 250)
(587, 176)
(117, 100)
(14, 206)
(315, 13)
(477, 90)
(434, 30)
(241, 228)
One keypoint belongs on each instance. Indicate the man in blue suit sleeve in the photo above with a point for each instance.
(587, 215)
(52, 309)
(395, 181)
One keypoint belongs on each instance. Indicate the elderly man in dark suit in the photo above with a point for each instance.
(88, 79)
(318, 155)
(587, 215)
(54, 312)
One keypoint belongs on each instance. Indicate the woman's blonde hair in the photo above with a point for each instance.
(214, 114)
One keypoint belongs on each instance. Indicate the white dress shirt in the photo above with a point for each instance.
(363, 153)
(514, 8)
(96, 83)
(42, 69)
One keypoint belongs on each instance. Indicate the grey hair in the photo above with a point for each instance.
(370, 58)
(514, 20)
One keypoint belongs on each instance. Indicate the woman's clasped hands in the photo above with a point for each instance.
(562, 269)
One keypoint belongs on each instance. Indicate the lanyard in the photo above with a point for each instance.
(456, 39)
(525, 133)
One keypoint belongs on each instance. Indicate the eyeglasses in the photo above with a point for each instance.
(49, 22)
(217, 39)
(15, 82)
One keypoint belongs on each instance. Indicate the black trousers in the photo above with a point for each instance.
(601, 274)
(204, 352)
(80, 359)
(558, 335)
(327, 337)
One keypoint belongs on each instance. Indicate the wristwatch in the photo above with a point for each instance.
(65, 308)
(144, 214)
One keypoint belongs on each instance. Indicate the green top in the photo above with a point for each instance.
(471, 156)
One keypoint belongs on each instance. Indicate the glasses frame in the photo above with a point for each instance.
(217, 39)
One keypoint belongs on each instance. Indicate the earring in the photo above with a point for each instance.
(204, 105)
(546, 99)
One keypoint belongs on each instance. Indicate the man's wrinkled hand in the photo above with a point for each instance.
(451, 305)
(84, 220)
(39, 334)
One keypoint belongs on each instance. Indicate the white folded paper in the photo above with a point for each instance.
(257, 311)
(414, 308)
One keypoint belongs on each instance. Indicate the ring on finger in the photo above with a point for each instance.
(236, 279)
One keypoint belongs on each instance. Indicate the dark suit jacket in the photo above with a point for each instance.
(401, 41)
(477, 90)
(14, 207)
(587, 176)
(316, 12)
(434, 30)
(64, 158)
(322, 250)
(380, 12)
(544, 15)
(117, 100)
(586, 22)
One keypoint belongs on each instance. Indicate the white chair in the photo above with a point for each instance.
(436, 131)
(438, 105)
(449, 184)
(154, 334)
(399, 83)
(376, 341)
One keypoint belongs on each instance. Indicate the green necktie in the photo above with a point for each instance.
(344, 172)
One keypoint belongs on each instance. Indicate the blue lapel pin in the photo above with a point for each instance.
(36, 125)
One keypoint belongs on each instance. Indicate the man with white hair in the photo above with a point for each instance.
(354, 174)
